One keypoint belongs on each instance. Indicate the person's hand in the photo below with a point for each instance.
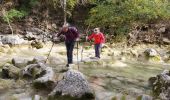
(78, 39)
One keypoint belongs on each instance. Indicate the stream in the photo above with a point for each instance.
(118, 81)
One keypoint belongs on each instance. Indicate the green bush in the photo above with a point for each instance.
(13, 14)
(119, 15)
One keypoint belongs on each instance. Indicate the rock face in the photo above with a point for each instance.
(73, 84)
(10, 71)
(42, 74)
(12, 40)
(160, 85)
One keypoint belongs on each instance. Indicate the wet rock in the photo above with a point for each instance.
(12, 40)
(73, 84)
(37, 44)
(10, 71)
(42, 74)
(20, 62)
(161, 87)
(151, 55)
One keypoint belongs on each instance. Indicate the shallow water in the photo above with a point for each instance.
(107, 82)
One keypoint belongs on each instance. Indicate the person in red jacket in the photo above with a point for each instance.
(99, 40)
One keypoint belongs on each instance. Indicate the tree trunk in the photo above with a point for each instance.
(4, 14)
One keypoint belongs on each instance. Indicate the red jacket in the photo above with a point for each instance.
(98, 38)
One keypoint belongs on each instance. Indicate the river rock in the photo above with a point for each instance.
(151, 55)
(73, 84)
(37, 44)
(10, 71)
(12, 40)
(160, 85)
(42, 74)
(20, 62)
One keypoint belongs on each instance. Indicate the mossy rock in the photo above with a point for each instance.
(37, 44)
(10, 71)
(155, 59)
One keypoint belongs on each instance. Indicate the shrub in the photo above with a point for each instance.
(13, 14)
(119, 15)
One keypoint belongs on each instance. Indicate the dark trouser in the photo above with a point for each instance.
(70, 47)
(97, 50)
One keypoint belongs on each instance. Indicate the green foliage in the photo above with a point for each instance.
(33, 2)
(119, 15)
(13, 14)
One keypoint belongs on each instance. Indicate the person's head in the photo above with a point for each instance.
(65, 27)
(96, 30)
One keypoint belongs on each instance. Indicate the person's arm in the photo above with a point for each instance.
(76, 33)
(102, 38)
(91, 36)
(59, 33)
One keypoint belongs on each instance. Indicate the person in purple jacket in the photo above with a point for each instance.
(71, 36)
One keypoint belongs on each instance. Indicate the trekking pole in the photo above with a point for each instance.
(77, 54)
(49, 52)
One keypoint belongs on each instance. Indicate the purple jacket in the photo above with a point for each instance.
(70, 35)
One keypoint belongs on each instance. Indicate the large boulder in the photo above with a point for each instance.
(150, 55)
(20, 62)
(160, 85)
(42, 74)
(12, 40)
(10, 71)
(73, 85)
